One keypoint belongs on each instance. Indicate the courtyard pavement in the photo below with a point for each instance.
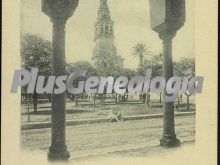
(128, 138)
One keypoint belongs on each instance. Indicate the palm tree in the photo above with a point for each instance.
(141, 51)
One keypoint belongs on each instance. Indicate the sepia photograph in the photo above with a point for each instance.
(106, 41)
(108, 80)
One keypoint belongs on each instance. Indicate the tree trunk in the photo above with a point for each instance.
(76, 100)
(141, 60)
(140, 97)
(187, 102)
(160, 97)
(94, 99)
(49, 98)
(144, 96)
(101, 96)
(116, 98)
(35, 101)
(148, 100)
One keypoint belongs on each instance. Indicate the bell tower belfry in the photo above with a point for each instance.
(104, 27)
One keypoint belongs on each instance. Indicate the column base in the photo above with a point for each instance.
(169, 142)
(58, 155)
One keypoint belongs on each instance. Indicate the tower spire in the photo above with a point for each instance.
(103, 12)
(103, 2)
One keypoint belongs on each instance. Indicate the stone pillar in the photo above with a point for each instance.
(58, 148)
(169, 136)
(59, 12)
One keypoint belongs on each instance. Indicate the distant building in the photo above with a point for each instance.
(105, 55)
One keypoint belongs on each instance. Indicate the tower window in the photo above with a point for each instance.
(102, 30)
(106, 28)
(111, 30)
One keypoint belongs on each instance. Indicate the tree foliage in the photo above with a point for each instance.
(154, 63)
(183, 64)
(81, 65)
(140, 50)
(107, 62)
(36, 52)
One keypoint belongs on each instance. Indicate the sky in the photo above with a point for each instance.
(132, 25)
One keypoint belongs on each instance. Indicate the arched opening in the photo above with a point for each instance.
(106, 29)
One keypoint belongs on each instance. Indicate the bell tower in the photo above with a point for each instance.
(105, 55)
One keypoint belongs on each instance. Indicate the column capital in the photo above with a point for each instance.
(167, 35)
(58, 23)
(57, 9)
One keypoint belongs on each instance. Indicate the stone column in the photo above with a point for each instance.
(58, 148)
(169, 136)
(59, 12)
